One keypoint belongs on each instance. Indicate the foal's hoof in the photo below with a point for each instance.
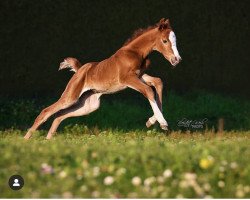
(164, 127)
(148, 124)
(27, 136)
(49, 137)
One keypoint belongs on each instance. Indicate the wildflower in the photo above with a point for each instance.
(62, 174)
(121, 171)
(136, 181)
(160, 188)
(221, 184)
(233, 165)
(67, 195)
(222, 169)
(205, 163)
(83, 188)
(207, 187)
(149, 181)
(85, 164)
(179, 196)
(94, 155)
(160, 179)
(190, 176)
(35, 195)
(224, 162)
(95, 194)
(246, 189)
(167, 173)
(96, 171)
(47, 169)
(146, 189)
(132, 195)
(109, 180)
(239, 193)
(183, 184)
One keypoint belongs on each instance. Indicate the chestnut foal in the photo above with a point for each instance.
(123, 69)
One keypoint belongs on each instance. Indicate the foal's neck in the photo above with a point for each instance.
(144, 44)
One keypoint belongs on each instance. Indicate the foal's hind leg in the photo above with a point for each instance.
(157, 84)
(47, 112)
(88, 103)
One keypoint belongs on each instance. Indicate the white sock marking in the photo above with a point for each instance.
(157, 113)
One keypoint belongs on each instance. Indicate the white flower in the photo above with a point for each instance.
(83, 188)
(222, 169)
(62, 174)
(224, 162)
(96, 171)
(179, 196)
(246, 189)
(221, 184)
(239, 194)
(206, 186)
(183, 184)
(121, 171)
(167, 173)
(149, 181)
(95, 194)
(136, 181)
(109, 180)
(233, 165)
(132, 195)
(67, 195)
(190, 176)
(160, 179)
(160, 188)
(46, 169)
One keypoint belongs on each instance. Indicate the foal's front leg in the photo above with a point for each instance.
(135, 83)
(157, 84)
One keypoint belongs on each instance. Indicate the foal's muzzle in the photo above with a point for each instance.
(175, 60)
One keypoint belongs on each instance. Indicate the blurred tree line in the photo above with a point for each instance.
(35, 36)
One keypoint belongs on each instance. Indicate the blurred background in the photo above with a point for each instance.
(212, 38)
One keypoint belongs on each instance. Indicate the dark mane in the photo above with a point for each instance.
(138, 33)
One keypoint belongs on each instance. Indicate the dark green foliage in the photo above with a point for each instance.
(35, 37)
(130, 113)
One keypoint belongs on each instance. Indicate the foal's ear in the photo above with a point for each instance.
(163, 24)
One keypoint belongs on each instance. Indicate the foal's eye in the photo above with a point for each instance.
(164, 41)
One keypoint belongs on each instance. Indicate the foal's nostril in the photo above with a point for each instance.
(174, 60)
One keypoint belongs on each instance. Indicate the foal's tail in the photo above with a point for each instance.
(72, 63)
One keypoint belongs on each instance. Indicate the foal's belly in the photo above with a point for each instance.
(111, 89)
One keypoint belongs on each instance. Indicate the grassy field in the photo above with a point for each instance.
(110, 153)
(82, 162)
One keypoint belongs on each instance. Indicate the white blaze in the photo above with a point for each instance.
(172, 39)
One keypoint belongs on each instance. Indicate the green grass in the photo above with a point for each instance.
(76, 162)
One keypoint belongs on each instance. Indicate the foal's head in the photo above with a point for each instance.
(166, 42)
